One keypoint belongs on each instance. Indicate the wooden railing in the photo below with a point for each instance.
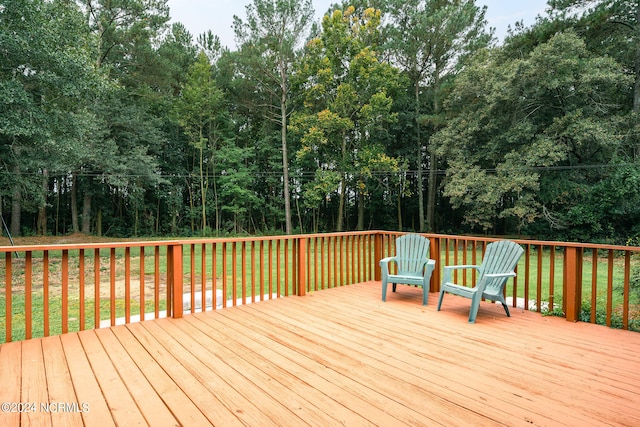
(47, 290)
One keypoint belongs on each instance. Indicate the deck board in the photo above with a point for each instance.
(85, 383)
(59, 384)
(335, 357)
(150, 404)
(180, 405)
(360, 370)
(299, 348)
(206, 402)
(10, 373)
(323, 394)
(121, 404)
(234, 392)
(267, 389)
(34, 385)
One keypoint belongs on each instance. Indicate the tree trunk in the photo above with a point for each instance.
(74, 205)
(99, 223)
(299, 216)
(431, 193)
(58, 186)
(16, 212)
(419, 187)
(203, 190)
(433, 160)
(86, 214)
(191, 205)
(360, 226)
(42, 213)
(343, 183)
(399, 210)
(285, 157)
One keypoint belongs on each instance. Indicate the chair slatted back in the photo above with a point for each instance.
(500, 257)
(411, 252)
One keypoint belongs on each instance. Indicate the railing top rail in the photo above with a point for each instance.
(520, 241)
(124, 244)
(131, 244)
(77, 246)
(282, 237)
(539, 242)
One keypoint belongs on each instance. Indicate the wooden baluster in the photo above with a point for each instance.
(45, 292)
(81, 303)
(65, 291)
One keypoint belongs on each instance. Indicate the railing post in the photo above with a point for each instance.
(301, 262)
(377, 256)
(174, 279)
(572, 283)
(434, 253)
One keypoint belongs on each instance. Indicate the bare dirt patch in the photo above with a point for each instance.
(59, 240)
(54, 273)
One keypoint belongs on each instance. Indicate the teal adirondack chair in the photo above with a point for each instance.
(413, 265)
(497, 267)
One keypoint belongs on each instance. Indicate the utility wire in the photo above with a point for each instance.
(411, 172)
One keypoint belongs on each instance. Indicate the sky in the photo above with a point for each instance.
(198, 16)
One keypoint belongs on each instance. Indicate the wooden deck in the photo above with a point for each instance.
(333, 357)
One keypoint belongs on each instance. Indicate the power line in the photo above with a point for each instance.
(410, 172)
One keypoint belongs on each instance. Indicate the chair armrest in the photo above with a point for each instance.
(455, 267)
(448, 270)
(430, 266)
(384, 265)
(483, 283)
(494, 275)
(427, 262)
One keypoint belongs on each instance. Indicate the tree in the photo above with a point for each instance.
(46, 82)
(200, 112)
(269, 40)
(125, 32)
(612, 28)
(530, 137)
(607, 26)
(348, 102)
(428, 39)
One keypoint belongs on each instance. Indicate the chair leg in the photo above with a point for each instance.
(425, 295)
(440, 298)
(506, 309)
(384, 290)
(394, 286)
(473, 311)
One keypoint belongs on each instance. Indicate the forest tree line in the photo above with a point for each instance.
(386, 114)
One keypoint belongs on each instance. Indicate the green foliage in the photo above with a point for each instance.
(601, 318)
(269, 41)
(515, 120)
(46, 84)
(348, 106)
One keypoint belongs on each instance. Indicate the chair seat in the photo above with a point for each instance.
(406, 276)
(464, 291)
